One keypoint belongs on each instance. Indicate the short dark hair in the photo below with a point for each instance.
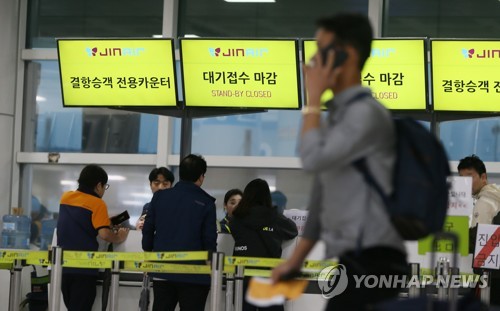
(256, 193)
(472, 162)
(192, 167)
(92, 175)
(165, 172)
(231, 193)
(350, 29)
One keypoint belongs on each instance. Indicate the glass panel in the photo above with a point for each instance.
(51, 128)
(466, 137)
(442, 19)
(112, 18)
(272, 133)
(129, 187)
(218, 18)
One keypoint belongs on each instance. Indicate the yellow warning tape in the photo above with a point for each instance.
(160, 267)
(273, 262)
(11, 255)
(318, 264)
(81, 263)
(137, 256)
(176, 256)
(136, 261)
(252, 261)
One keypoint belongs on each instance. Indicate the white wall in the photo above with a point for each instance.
(8, 62)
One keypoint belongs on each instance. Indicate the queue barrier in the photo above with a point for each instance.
(235, 269)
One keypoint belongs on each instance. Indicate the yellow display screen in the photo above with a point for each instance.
(260, 73)
(395, 72)
(117, 72)
(465, 75)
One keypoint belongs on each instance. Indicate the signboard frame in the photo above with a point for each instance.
(174, 82)
(426, 105)
(185, 103)
(452, 114)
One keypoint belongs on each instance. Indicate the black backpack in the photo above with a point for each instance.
(419, 201)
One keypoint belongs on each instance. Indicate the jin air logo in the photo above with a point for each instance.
(332, 281)
(101, 52)
(238, 52)
(467, 53)
(481, 53)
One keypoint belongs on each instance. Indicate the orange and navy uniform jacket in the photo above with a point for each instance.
(81, 214)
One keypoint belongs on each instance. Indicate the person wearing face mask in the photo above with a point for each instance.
(231, 200)
(160, 178)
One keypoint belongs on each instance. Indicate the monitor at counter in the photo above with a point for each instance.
(117, 72)
(395, 72)
(465, 75)
(240, 73)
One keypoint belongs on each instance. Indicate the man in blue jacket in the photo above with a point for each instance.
(182, 218)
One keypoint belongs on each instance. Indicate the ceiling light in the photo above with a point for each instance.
(116, 177)
(145, 195)
(68, 183)
(130, 202)
(40, 98)
(251, 1)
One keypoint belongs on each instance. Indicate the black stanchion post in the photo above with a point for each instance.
(55, 279)
(238, 288)
(216, 281)
(15, 285)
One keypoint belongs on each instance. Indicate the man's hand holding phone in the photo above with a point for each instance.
(322, 71)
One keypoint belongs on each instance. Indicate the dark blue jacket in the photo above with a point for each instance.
(181, 218)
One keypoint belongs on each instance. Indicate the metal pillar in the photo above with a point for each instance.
(229, 291)
(55, 279)
(216, 281)
(442, 269)
(486, 291)
(15, 285)
(414, 291)
(238, 288)
(115, 284)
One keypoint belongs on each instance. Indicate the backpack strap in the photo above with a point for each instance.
(362, 167)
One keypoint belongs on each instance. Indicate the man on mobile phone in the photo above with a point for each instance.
(344, 211)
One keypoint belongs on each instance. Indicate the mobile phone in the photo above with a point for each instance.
(340, 55)
(118, 219)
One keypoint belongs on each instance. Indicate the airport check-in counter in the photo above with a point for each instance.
(131, 282)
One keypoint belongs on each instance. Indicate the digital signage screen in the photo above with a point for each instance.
(117, 72)
(240, 73)
(395, 72)
(465, 75)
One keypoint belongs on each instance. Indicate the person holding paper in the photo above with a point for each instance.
(344, 211)
(160, 178)
(486, 209)
(83, 216)
(486, 195)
